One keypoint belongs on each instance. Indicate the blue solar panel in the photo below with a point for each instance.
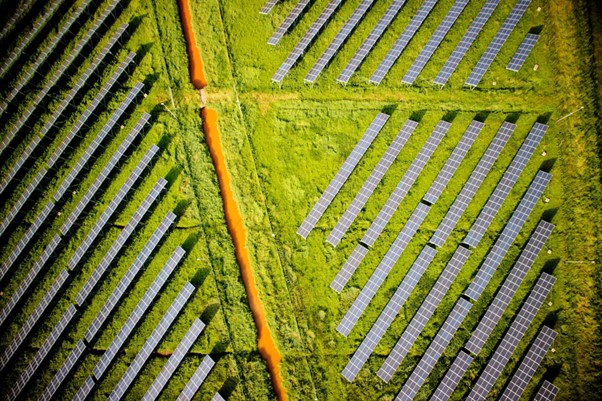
(547, 392)
(16, 209)
(453, 376)
(197, 379)
(288, 22)
(522, 52)
(267, 7)
(65, 370)
(16, 167)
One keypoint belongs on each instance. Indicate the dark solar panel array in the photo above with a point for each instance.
(197, 380)
(402, 41)
(63, 372)
(337, 182)
(31, 147)
(529, 365)
(522, 52)
(434, 42)
(511, 339)
(174, 360)
(306, 41)
(112, 207)
(29, 279)
(471, 186)
(104, 174)
(151, 343)
(508, 235)
(22, 8)
(33, 319)
(383, 269)
(121, 240)
(434, 351)
(453, 162)
(98, 99)
(84, 391)
(338, 41)
(514, 279)
(547, 392)
(370, 41)
(139, 311)
(371, 183)
(425, 312)
(467, 40)
(495, 201)
(267, 7)
(498, 41)
(288, 22)
(388, 314)
(98, 140)
(42, 353)
(453, 376)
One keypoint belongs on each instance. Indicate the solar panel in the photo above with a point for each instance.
(288, 22)
(65, 370)
(396, 197)
(31, 322)
(494, 203)
(434, 351)
(547, 392)
(84, 391)
(128, 277)
(522, 52)
(42, 353)
(496, 44)
(197, 380)
(388, 314)
(268, 7)
(174, 361)
(402, 41)
(151, 343)
(508, 235)
(306, 41)
(116, 247)
(217, 397)
(14, 170)
(28, 280)
(453, 376)
(337, 182)
(145, 302)
(371, 183)
(383, 269)
(98, 140)
(467, 40)
(16, 209)
(424, 313)
(110, 209)
(516, 276)
(17, 15)
(434, 42)
(453, 162)
(529, 365)
(370, 41)
(473, 184)
(105, 173)
(338, 41)
(98, 99)
(512, 338)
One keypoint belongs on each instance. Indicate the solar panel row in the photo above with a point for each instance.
(174, 360)
(337, 182)
(514, 279)
(112, 207)
(547, 392)
(267, 7)
(512, 338)
(383, 269)
(338, 41)
(434, 351)
(124, 235)
(139, 311)
(434, 42)
(453, 162)
(84, 391)
(31, 147)
(16, 209)
(425, 312)
(128, 277)
(498, 41)
(402, 41)
(17, 15)
(217, 397)
(522, 52)
(471, 186)
(197, 380)
(306, 41)
(370, 41)
(288, 22)
(371, 183)
(508, 235)
(386, 317)
(153, 341)
(98, 99)
(349, 268)
(495, 201)
(65, 370)
(453, 376)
